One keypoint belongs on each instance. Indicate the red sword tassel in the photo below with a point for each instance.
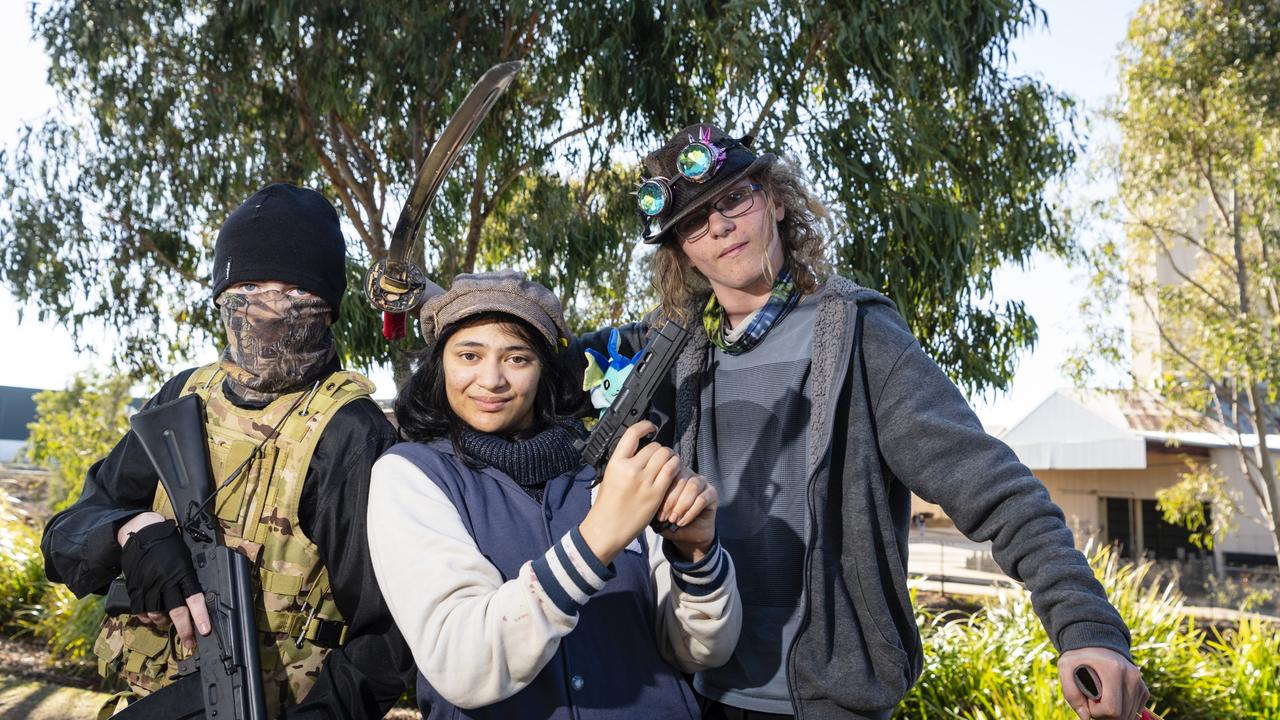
(393, 326)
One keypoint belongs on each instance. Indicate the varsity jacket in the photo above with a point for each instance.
(510, 615)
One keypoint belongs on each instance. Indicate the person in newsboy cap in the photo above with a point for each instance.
(526, 586)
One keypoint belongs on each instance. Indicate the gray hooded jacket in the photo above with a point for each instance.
(887, 421)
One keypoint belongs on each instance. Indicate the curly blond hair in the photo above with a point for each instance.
(679, 285)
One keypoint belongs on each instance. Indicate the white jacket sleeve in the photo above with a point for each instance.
(477, 639)
(699, 609)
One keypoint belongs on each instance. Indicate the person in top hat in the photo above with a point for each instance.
(525, 589)
(299, 434)
(805, 399)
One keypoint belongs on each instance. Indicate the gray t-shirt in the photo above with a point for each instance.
(753, 444)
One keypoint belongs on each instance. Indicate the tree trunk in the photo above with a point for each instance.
(1257, 395)
(477, 211)
(401, 368)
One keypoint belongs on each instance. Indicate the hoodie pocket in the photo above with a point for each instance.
(884, 642)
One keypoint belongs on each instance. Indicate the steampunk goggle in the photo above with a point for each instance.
(697, 162)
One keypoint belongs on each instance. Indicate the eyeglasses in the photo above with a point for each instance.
(735, 203)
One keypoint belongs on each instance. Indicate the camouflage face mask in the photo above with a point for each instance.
(276, 343)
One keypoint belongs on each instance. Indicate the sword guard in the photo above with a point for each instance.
(395, 287)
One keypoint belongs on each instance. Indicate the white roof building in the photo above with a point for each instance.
(1104, 454)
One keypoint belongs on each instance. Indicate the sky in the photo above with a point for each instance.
(1075, 54)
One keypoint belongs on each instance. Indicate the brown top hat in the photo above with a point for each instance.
(695, 178)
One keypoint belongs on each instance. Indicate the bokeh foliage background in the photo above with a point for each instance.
(936, 162)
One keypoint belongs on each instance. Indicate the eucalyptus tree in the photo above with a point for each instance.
(1199, 197)
(935, 160)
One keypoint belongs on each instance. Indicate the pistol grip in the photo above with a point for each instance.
(661, 526)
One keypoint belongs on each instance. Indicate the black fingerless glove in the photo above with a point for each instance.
(157, 568)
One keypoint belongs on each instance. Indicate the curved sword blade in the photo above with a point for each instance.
(443, 154)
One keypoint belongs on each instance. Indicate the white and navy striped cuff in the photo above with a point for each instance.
(698, 578)
(570, 573)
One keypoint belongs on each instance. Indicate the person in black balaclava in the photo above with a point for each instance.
(299, 434)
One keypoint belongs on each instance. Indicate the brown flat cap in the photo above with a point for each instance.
(505, 291)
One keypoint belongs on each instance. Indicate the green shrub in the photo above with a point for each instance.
(995, 663)
(68, 625)
(30, 604)
(998, 662)
(21, 565)
(75, 428)
(1247, 670)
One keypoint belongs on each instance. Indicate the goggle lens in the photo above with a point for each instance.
(652, 197)
(696, 161)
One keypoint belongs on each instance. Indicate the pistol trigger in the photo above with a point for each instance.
(659, 419)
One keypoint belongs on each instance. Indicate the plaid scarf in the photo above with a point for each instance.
(782, 298)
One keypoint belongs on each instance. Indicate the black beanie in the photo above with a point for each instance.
(283, 233)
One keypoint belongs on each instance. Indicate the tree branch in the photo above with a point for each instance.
(477, 216)
(807, 63)
(593, 172)
(1204, 166)
(521, 39)
(1273, 301)
(1258, 491)
(365, 149)
(305, 117)
(1181, 234)
(362, 188)
(147, 243)
(1155, 233)
(1199, 421)
(492, 202)
(1168, 340)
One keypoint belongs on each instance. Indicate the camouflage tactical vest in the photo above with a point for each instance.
(297, 620)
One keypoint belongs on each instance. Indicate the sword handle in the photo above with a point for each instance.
(1087, 682)
(397, 287)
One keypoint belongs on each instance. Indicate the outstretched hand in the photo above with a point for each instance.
(1122, 694)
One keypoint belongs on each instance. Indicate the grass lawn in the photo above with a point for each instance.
(23, 699)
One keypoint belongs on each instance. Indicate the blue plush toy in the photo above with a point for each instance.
(605, 375)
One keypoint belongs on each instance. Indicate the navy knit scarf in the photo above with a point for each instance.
(530, 461)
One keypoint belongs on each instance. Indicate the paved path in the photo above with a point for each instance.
(944, 561)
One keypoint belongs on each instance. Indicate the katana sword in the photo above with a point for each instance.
(395, 284)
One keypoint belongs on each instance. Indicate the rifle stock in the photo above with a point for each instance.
(224, 681)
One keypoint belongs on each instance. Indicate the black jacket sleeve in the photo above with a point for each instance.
(79, 543)
(364, 677)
